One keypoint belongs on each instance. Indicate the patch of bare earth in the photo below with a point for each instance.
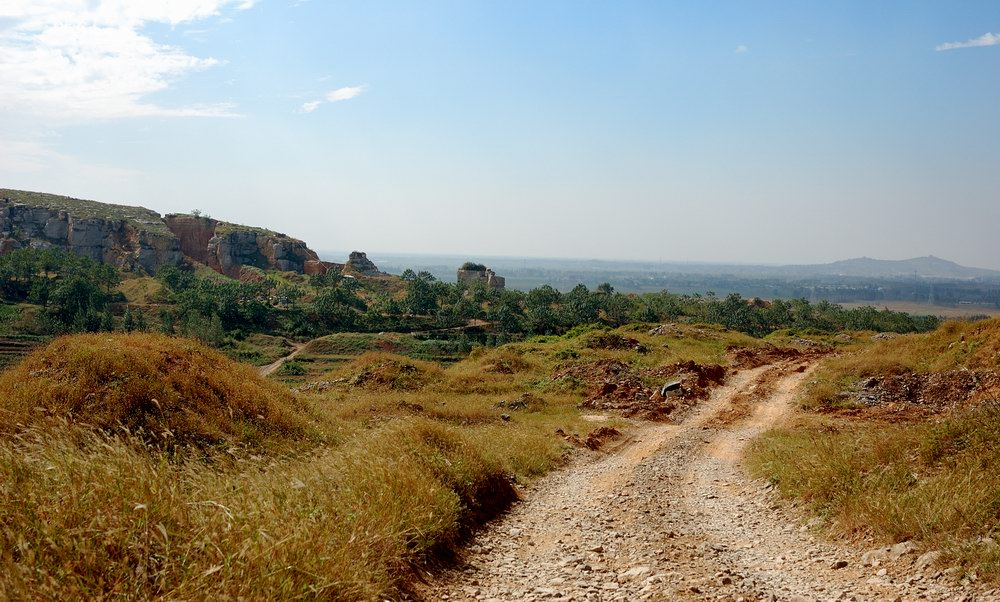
(672, 516)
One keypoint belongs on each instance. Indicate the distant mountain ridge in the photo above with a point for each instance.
(921, 267)
(929, 267)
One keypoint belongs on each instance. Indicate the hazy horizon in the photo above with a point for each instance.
(730, 133)
(338, 256)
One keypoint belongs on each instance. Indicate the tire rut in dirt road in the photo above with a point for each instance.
(567, 537)
(762, 548)
(671, 516)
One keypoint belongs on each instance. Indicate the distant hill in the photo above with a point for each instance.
(526, 272)
(921, 267)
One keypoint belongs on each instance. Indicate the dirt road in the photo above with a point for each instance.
(270, 368)
(673, 516)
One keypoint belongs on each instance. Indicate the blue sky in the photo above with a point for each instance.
(775, 132)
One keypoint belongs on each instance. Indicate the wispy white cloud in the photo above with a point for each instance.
(987, 39)
(338, 95)
(741, 49)
(345, 93)
(81, 60)
(31, 158)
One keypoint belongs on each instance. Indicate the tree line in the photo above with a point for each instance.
(77, 294)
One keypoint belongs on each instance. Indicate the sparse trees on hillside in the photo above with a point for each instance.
(73, 290)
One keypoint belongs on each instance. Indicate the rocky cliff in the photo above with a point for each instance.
(130, 238)
(228, 247)
(138, 239)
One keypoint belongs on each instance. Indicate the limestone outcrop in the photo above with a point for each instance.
(121, 242)
(138, 239)
(358, 262)
(226, 247)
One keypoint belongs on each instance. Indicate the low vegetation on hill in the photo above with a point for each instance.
(901, 441)
(135, 462)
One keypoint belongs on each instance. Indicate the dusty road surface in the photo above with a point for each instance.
(673, 516)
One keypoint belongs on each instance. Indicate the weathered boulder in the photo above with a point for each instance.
(358, 262)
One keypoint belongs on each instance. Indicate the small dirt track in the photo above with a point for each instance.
(273, 366)
(673, 516)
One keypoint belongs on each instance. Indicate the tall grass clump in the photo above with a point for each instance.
(170, 390)
(89, 515)
(935, 483)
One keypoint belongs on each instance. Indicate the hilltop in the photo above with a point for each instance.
(921, 267)
(137, 239)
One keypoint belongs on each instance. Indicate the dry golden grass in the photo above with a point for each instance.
(88, 515)
(386, 371)
(168, 390)
(412, 457)
(937, 482)
(142, 290)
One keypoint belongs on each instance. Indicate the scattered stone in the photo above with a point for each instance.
(876, 556)
(902, 549)
(636, 572)
(927, 559)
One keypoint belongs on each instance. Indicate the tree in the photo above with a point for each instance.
(578, 307)
(107, 321)
(421, 294)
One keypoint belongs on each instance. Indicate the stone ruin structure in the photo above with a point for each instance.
(485, 276)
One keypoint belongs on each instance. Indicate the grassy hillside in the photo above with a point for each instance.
(914, 462)
(386, 462)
